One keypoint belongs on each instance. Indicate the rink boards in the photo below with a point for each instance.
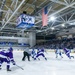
(53, 50)
(49, 50)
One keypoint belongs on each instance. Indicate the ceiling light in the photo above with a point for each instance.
(52, 18)
(52, 28)
(63, 25)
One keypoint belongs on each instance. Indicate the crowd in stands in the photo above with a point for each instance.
(13, 44)
(54, 43)
(48, 44)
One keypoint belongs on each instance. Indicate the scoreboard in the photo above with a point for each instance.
(25, 21)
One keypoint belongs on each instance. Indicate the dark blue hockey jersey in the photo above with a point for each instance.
(6, 54)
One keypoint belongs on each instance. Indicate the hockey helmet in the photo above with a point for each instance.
(10, 49)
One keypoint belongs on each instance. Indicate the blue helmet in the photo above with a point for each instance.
(10, 49)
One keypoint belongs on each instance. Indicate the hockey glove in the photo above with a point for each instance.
(13, 62)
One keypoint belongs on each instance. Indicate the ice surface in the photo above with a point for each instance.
(52, 66)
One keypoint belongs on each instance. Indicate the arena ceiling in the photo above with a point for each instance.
(62, 10)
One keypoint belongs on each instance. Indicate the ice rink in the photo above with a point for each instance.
(53, 66)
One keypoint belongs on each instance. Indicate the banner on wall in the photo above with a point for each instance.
(25, 21)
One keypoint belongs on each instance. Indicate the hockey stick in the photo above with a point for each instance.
(20, 67)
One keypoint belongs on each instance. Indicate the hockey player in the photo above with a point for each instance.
(33, 53)
(7, 56)
(67, 52)
(40, 53)
(58, 52)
